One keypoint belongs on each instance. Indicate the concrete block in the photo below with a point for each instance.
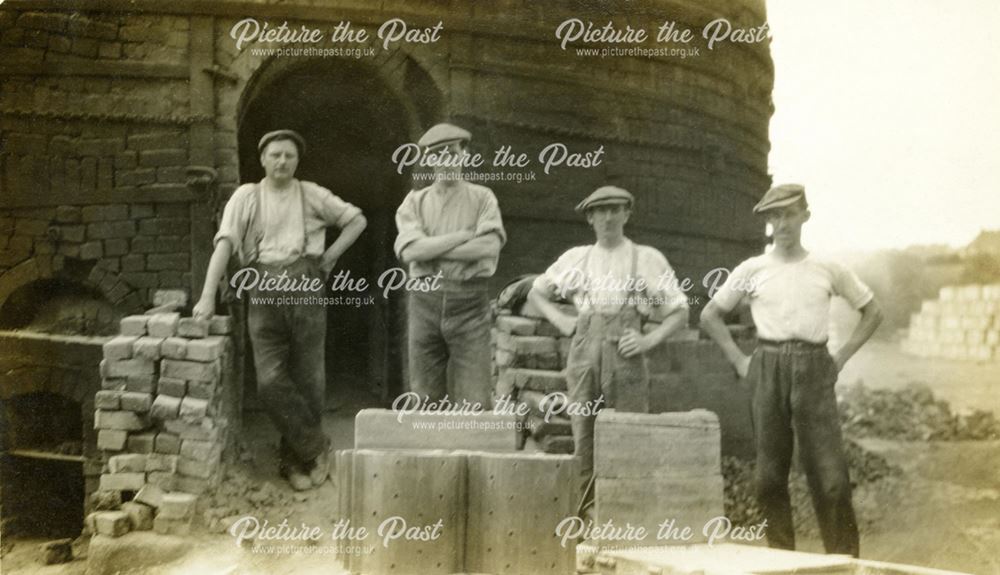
(637, 445)
(145, 383)
(516, 325)
(515, 503)
(148, 347)
(651, 501)
(141, 442)
(111, 439)
(174, 348)
(192, 327)
(112, 523)
(172, 386)
(140, 516)
(108, 399)
(177, 506)
(150, 495)
(123, 481)
(127, 368)
(167, 443)
(190, 370)
(193, 409)
(165, 407)
(121, 420)
(164, 480)
(127, 463)
(119, 348)
(167, 526)
(134, 325)
(220, 325)
(163, 324)
(382, 429)
(201, 390)
(136, 401)
(206, 349)
(161, 462)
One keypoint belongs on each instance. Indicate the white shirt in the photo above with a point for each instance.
(595, 278)
(791, 300)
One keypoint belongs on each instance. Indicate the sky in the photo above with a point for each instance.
(888, 111)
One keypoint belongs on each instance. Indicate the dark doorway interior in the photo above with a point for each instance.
(352, 124)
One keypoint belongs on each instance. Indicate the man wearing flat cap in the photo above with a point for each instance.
(615, 285)
(451, 229)
(791, 372)
(278, 226)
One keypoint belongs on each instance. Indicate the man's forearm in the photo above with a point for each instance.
(347, 237)
(713, 324)
(216, 268)
(675, 320)
(871, 317)
(430, 248)
(479, 248)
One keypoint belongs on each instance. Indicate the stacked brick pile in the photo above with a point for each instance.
(159, 420)
(963, 323)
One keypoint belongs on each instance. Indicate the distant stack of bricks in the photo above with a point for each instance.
(160, 422)
(498, 507)
(963, 323)
(528, 358)
(658, 471)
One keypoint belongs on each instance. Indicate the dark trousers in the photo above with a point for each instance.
(288, 349)
(793, 398)
(449, 337)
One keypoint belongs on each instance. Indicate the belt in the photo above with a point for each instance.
(791, 345)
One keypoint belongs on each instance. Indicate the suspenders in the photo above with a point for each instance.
(632, 273)
(255, 227)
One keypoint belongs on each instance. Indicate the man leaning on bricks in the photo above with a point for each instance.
(278, 225)
(791, 373)
(614, 284)
(452, 228)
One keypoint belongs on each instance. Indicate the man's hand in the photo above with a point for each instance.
(633, 343)
(565, 323)
(742, 365)
(465, 235)
(204, 309)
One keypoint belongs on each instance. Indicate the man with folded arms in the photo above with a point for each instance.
(791, 372)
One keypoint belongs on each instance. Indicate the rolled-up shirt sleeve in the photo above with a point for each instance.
(556, 281)
(663, 284)
(847, 285)
(489, 219)
(233, 225)
(408, 224)
(734, 289)
(335, 211)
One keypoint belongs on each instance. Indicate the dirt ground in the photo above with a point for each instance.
(942, 510)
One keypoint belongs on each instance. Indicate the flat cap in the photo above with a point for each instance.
(292, 135)
(442, 134)
(604, 196)
(780, 196)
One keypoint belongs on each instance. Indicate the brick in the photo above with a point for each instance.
(166, 526)
(172, 386)
(136, 177)
(193, 409)
(165, 226)
(138, 211)
(147, 347)
(123, 481)
(127, 463)
(141, 443)
(201, 469)
(205, 430)
(190, 370)
(163, 324)
(207, 349)
(168, 261)
(112, 523)
(165, 407)
(545, 381)
(127, 368)
(140, 516)
(199, 450)
(133, 262)
(115, 247)
(193, 328)
(120, 420)
(135, 401)
(201, 390)
(516, 325)
(161, 462)
(106, 230)
(170, 296)
(221, 325)
(145, 383)
(174, 348)
(108, 399)
(134, 325)
(91, 251)
(168, 443)
(111, 439)
(158, 158)
(165, 480)
(177, 505)
(150, 495)
(157, 140)
(73, 234)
